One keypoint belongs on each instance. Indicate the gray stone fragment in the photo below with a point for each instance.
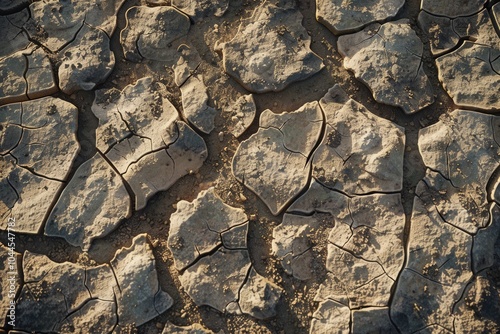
(471, 77)
(188, 239)
(375, 232)
(51, 292)
(26, 74)
(341, 17)
(187, 63)
(243, 113)
(40, 137)
(193, 329)
(39, 75)
(463, 150)
(273, 163)
(85, 62)
(270, 49)
(199, 9)
(153, 33)
(194, 104)
(360, 153)
(55, 24)
(213, 258)
(331, 317)
(159, 170)
(13, 85)
(24, 196)
(91, 206)
(142, 135)
(12, 6)
(69, 298)
(292, 246)
(483, 248)
(453, 9)
(372, 320)
(442, 36)
(437, 271)
(10, 273)
(95, 316)
(477, 311)
(140, 297)
(259, 297)
(388, 59)
(14, 38)
(216, 280)
(48, 144)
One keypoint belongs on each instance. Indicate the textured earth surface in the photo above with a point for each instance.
(249, 166)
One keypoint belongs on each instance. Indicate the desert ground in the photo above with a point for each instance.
(249, 166)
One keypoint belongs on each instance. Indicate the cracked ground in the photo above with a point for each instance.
(250, 166)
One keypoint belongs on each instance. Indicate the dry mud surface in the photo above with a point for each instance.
(249, 166)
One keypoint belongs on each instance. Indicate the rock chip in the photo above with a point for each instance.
(141, 134)
(270, 49)
(55, 24)
(199, 9)
(91, 206)
(67, 297)
(243, 113)
(388, 59)
(273, 163)
(360, 153)
(10, 280)
(194, 104)
(153, 33)
(140, 297)
(213, 258)
(85, 62)
(341, 17)
(193, 329)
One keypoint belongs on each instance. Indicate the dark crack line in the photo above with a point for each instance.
(247, 276)
(431, 325)
(191, 73)
(30, 169)
(283, 141)
(200, 256)
(116, 279)
(362, 258)
(116, 313)
(426, 277)
(133, 162)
